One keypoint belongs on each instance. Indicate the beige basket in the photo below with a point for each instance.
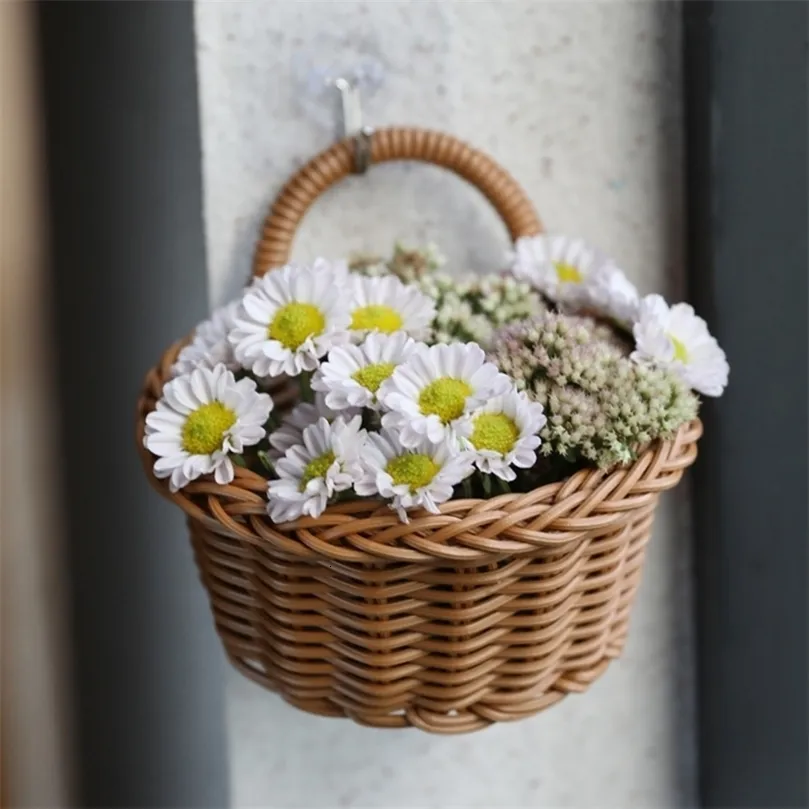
(487, 612)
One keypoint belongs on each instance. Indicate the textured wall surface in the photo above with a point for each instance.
(580, 101)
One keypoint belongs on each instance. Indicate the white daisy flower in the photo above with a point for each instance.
(325, 462)
(570, 272)
(290, 318)
(429, 394)
(297, 420)
(608, 292)
(423, 475)
(201, 418)
(675, 338)
(554, 265)
(209, 346)
(352, 374)
(387, 305)
(504, 433)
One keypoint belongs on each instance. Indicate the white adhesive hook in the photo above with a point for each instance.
(351, 98)
(352, 106)
(317, 76)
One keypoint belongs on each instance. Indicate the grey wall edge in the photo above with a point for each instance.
(124, 166)
(747, 138)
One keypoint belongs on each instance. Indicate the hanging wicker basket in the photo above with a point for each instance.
(487, 612)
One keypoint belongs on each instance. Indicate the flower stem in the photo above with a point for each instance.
(264, 457)
(273, 423)
(486, 480)
(305, 384)
(466, 487)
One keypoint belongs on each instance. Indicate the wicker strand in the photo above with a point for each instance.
(396, 143)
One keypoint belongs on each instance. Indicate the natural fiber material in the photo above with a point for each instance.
(489, 611)
(396, 143)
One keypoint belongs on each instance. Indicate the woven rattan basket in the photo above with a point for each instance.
(488, 612)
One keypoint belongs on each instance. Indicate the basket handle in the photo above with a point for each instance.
(395, 143)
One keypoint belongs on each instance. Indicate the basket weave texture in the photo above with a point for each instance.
(489, 611)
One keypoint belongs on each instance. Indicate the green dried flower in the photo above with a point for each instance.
(410, 264)
(367, 264)
(472, 307)
(413, 263)
(602, 408)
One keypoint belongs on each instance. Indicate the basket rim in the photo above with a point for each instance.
(591, 502)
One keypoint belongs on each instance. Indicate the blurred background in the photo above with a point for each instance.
(141, 145)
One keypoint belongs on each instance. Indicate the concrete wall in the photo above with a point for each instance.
(581, 102)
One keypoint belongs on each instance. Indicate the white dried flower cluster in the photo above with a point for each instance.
(472, 307)
(601, 407)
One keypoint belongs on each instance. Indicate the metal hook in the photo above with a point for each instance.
(352, 123)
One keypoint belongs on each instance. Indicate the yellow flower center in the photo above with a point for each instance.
(444, 397)
(372, 376)
(379, 318)
(316, 469)
(413, 470)
(494, 431)
(680, 351)
(205, 428)
(567, 273)
(294, 322)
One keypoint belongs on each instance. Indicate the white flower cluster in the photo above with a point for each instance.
(400, 401)
(472, 307)
(392, 417)
(433, 415)
(579, 278)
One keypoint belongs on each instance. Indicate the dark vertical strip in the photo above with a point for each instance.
(747, 139)
(123, 154)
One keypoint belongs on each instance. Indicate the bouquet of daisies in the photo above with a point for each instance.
(415, 386)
